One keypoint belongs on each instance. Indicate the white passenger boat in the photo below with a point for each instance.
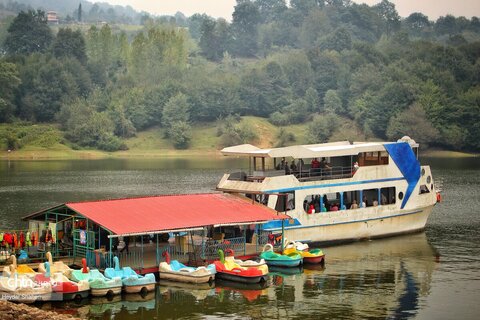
(337, 192)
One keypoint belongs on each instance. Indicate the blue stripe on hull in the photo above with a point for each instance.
(339, 184)
(346, 222)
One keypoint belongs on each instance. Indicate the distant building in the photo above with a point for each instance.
(52, 17)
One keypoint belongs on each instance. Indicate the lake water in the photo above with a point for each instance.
(430, 275)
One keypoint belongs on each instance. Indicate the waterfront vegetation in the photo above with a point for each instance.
(310, 72)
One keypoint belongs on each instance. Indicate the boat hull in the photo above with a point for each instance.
(284, 263)
(185, 277)
(241, 279)
(138, 288)
(101, 292)
(313, 260)
(66, 296)
(355, 228)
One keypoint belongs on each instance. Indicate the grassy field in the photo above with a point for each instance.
(46, 141)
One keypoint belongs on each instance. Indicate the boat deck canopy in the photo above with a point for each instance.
(335, 149)
(170, 213)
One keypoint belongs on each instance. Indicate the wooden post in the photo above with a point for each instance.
(263, 164)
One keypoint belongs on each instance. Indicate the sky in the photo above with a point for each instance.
(224, 8)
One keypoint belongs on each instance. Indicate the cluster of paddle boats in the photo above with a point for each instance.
(57, 281)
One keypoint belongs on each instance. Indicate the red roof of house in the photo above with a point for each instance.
(162, 213)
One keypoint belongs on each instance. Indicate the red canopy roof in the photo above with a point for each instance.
(165, 213)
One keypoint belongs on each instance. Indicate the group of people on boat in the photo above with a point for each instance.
(316, 206)
(299, 168)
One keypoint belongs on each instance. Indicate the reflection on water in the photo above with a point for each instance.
(433, 275)
(386, 281)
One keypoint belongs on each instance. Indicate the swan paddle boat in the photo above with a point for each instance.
(245, 263)
(132, 282)
(68, 289)
(21, 269)
(175, 271)
(280, 260)
(311, 256)
(99, 284)
(228, 269)
(57, 266)
(23, 288)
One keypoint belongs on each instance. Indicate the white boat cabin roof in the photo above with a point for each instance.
(332, 149)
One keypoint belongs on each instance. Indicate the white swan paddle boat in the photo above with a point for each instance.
(99, 284)
(132, 282)
(175, 271)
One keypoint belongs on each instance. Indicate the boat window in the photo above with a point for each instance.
(370, 198)
(387, 195)
(400, 195)
(351, 199)
(429, 179)
(372, 158)
(423, 189)
(285, 202)
(260, 198)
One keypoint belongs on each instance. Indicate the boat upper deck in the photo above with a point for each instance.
(339, 160)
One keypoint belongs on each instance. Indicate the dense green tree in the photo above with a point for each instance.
(195, 24)
(446, 25)
(69, 43)
(413, 122)
(47, 83)
(332, 102)
(180, 133)
(214, 39)
(79, 16)
(245, 20)
(9, 81)
(321, 128)
(417, 23)
(271, 10)
(389, 14)
(312, 99)
(28, 33)
(177, 109)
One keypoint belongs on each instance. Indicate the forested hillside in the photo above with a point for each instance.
(345, 70)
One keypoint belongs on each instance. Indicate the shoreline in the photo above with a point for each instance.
(11, 311)
(55, 154)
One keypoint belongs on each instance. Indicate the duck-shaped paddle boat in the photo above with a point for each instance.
(280, 260)
(227, 269)
(21, 269)
(57, 266)
(68, 289)
(175, 271)
(23, 288)
(310, 256)
(132, 282)
(245, 263)
(99, 284)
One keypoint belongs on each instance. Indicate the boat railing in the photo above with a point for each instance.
(308, 174)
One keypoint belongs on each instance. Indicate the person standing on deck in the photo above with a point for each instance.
(126, 240)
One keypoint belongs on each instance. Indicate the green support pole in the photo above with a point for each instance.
(283, 234)
(245, 242)
(203, 241)
(157, 257)
(142, 250)
(56, 234)
(109, 258)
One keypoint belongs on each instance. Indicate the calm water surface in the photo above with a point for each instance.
(431, 275)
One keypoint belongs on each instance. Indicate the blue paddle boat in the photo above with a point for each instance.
(132, 282)
(176, 271)
(280, 260)
(99, 284)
